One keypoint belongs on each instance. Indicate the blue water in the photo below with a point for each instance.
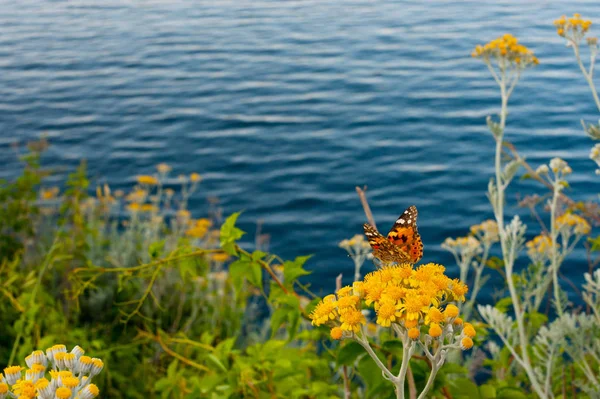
(285, 106)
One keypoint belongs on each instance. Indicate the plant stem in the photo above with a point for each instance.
(509, 257)
(586, 75)
(553, 237)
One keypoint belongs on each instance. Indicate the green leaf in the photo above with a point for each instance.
(293, 269)
(230, 234)
(255, 275)
(595, 243)
(464, 388)
(156, 248)
(212, 359)
(278, 318)
(258, 255)
(510, 393)
(393, 346)
(504, 304)
(348, 353)
(487, 391)
(370, 373)
(238, 272)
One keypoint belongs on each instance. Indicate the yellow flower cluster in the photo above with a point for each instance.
(70, 375)
(401, 295)
(49, 193)
(506, 48)
(464, 245)
(147, 180)
(540, 246)
(572, 28)
(570, 220)
(486, 231)
(198, 228)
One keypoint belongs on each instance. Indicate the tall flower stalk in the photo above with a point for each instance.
(506, 59)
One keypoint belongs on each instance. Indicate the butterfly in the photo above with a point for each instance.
(403, 243)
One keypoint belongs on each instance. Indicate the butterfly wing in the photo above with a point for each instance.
(384, 249)
(405, 235)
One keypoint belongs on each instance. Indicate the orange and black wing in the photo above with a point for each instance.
(384, 249)
(405, 235)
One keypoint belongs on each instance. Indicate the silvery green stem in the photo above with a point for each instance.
(586, 75)
(553, 236)
(510, 257)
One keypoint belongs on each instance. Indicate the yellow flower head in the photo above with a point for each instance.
(414, 333)
(576, 222)
(386, 313)
(195, 177)
(63, 393)
(220, 257)
(540, 247)
(573, 29)
(352, 320)
(506, 50)
(435, 330)
(466, 343)
(336, 333)
(163, 168)
(469, 330)
(323, 312)
(147, 179)
(344, 291)
(24, 388)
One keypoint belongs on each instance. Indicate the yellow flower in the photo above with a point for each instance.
(435, 330)
(458, 321)
(133, 207)
(541, 245)
(434, 315)
(344, 291)
(506, 48)
(137, 195)
(63, 393)
(89, 391)
(581, 226)
(3, 388)
(572, 28)
(414, 333)
(469, 330)
(323, 312)
(352, 319)
(346, 302)
(220, 257)
(386, 314)
(49, 193)
(183, 214)
(451, 311)
(459, 289)
(148, 208)
(24, 388)
(195, 177)
(358, 289)
(336, 333)
(147, 179)
(412, 307)
(163, 168)
(70, 382)
(12, 374)
(466, 343)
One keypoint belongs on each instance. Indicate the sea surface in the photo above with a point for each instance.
(285, 106)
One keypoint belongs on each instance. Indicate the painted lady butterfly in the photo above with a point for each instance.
(403, 242)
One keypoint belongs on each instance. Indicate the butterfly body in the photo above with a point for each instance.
(403, 243)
